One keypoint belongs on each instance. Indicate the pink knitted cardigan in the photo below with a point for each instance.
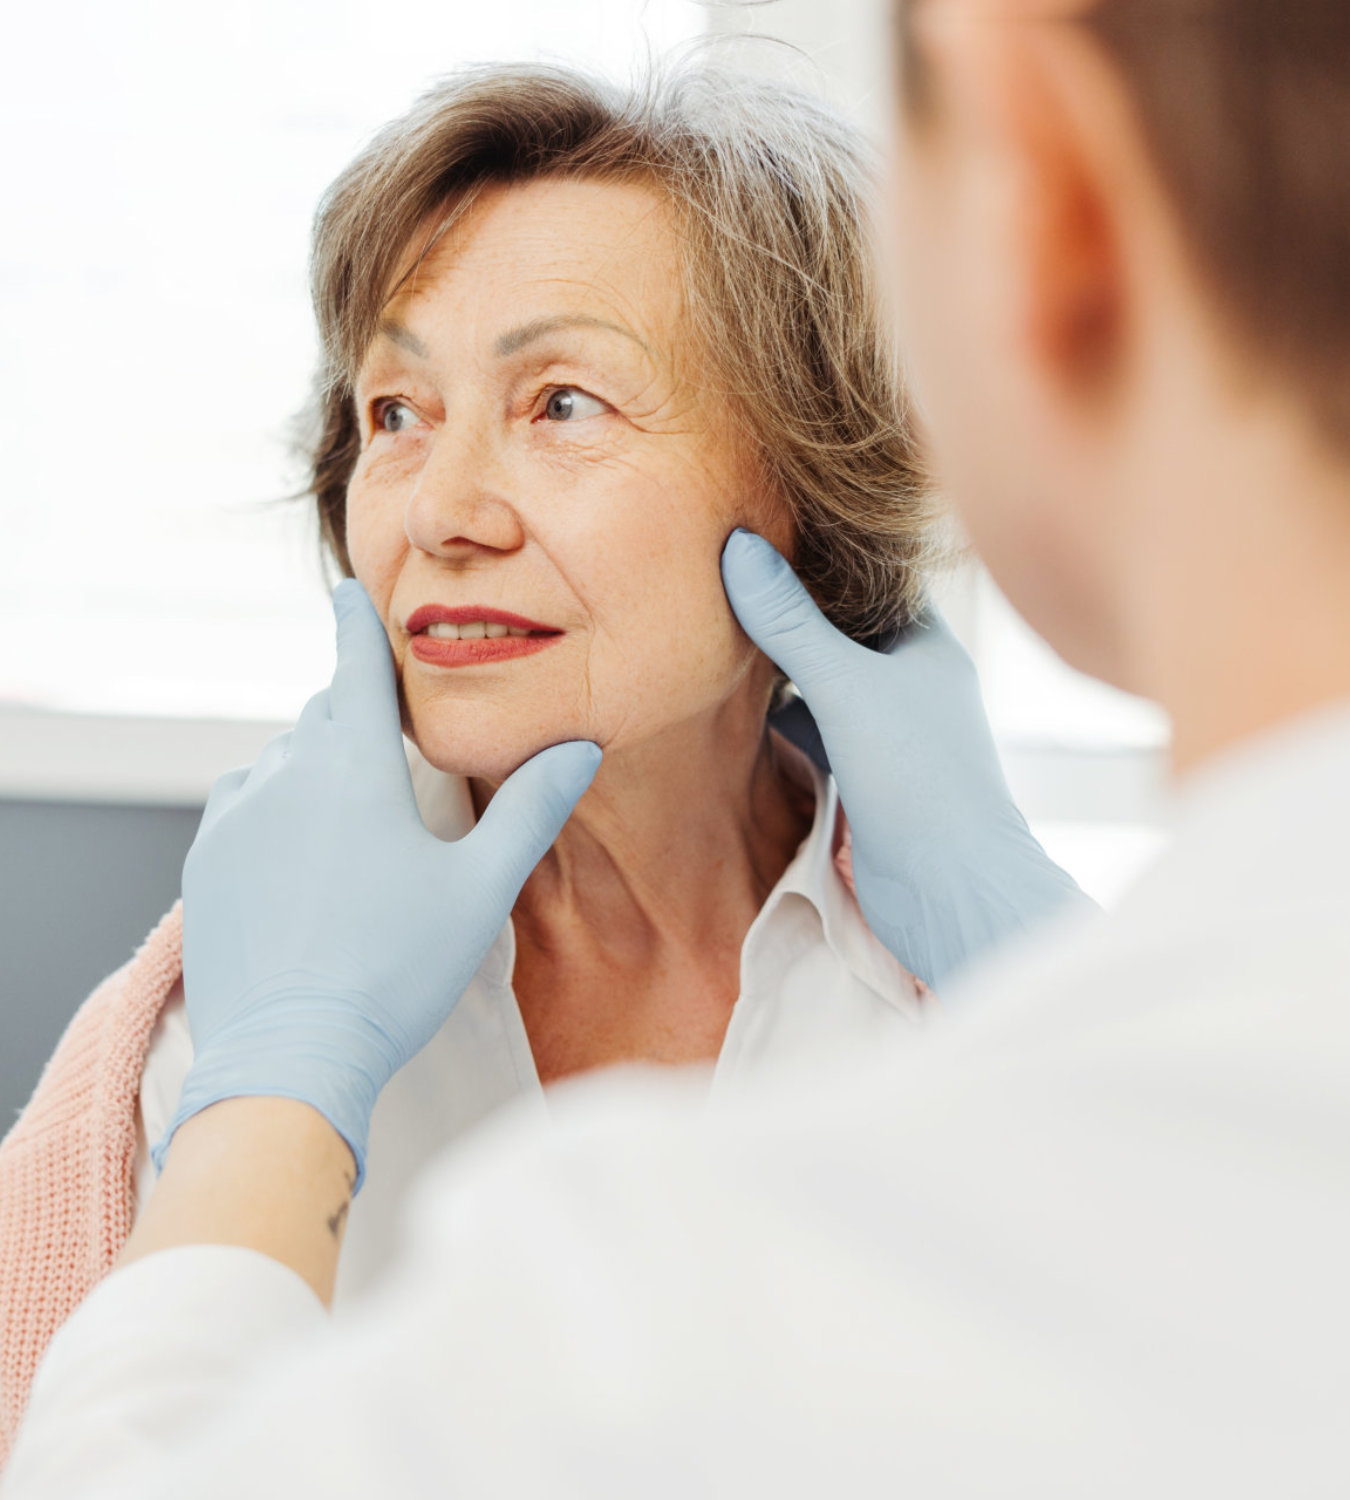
(66, 1166)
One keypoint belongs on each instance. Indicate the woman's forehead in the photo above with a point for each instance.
(551, 251)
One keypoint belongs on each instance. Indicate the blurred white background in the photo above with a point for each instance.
(162, 606)
(165, 164)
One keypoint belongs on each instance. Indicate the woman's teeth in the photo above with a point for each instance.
(473, 630)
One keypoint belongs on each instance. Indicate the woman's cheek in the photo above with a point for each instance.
(680, 642)
(376, 543)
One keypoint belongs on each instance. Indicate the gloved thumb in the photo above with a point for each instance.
(364, 691)
(528, 811)
(782, 619)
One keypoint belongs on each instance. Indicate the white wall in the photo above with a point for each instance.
(160, 615)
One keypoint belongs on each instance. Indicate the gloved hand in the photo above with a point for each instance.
(944, 864)
(326, 933)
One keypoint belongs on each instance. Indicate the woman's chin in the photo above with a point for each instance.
(486, 756)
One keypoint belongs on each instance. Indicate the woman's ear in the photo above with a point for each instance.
(760, 506)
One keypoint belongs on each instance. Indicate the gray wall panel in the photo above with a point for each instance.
(80, 886)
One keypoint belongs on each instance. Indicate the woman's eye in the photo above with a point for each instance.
(394, 416)
(567, 404)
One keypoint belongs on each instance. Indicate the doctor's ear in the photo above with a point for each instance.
(1082, 208)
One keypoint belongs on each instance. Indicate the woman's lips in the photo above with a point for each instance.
(474, 634)
(468, 614)
(442, 653)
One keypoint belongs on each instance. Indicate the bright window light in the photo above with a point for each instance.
(164, 161)
(1034, 698)
(163, 167)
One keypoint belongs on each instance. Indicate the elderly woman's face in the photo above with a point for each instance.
(545, 485)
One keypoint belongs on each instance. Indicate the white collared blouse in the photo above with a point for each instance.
(813, 979)
(1087, 1237)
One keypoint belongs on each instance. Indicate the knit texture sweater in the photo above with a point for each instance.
(66, 1202)
(66, 1196)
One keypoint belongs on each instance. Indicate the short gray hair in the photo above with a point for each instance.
(771, 192)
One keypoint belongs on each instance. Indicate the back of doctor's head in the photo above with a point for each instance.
(1245, 106)
(1124, 233)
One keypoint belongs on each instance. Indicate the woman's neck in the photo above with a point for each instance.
(630, 929)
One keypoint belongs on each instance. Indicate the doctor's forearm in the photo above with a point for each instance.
(265, 1174)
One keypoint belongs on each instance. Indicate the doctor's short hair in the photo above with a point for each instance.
(1245, 109)
(770, 191)
(1245, 106)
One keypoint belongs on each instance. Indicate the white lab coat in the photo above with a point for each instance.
(813, 980)
(1091, 1239)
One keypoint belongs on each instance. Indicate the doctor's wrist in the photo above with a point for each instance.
(326, 1056)
(265, 1174)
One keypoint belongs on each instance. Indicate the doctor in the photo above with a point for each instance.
(1093, 1240)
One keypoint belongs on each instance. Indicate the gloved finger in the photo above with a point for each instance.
(270, 758)
(937, 670)
(224, 792)
(784, 621)
(317, 711)
(930, 635)
(364, 692)
(527, 814)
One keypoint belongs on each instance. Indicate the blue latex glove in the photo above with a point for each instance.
(327, 935)
(944, 864)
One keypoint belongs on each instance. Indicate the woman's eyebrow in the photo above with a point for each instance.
(396, 333)
(517, 338)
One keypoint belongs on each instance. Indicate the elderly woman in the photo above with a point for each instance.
(573, 337)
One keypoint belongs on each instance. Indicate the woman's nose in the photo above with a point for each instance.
(460, 505)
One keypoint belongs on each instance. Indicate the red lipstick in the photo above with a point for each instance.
(465, 614)
(516, 636)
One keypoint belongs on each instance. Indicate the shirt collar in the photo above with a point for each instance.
(813, 875)
(447, 810)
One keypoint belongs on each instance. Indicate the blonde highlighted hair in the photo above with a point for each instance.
(771, 196)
